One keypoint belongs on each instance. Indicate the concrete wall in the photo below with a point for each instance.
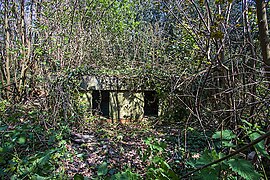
(123, 105)
(126, 105)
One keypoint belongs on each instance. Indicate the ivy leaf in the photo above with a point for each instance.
(21, 140)
(226, 135)
(244, 168)
(102, 169)
(78, 177)
(126, 175)
(227, 144)
(3, 128)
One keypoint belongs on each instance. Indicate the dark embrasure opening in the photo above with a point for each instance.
(100, 101)
(150, 103)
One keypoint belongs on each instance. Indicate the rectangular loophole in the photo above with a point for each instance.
(150, 103)
(100, 101)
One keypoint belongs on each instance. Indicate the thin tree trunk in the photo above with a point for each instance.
(23, 51)
(251, 62)
(264, 36)
(7, 48)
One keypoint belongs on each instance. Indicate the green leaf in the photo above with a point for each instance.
(163, 175)
(226, 135)
(78, 177)
(157, 160)
(126, 175)
(247, 123)
(244, 168)
(102, 169)
(38, 177)
(227, 144)
(207, 174)
(80, 155)
(3, 128)
(21, 140)
(259, 146)
(165, 165)
(207, 157)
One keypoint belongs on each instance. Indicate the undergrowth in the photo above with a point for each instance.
(32, 149)
(28, 149)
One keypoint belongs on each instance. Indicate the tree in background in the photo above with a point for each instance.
(202, 57)
(261, 6)
(19, 36)
(207, 50)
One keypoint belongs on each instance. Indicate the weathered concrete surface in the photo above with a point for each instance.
(126, 96)
(122, 105)
(126, 105)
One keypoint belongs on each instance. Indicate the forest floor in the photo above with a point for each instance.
(127, 146)
(31, 149)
